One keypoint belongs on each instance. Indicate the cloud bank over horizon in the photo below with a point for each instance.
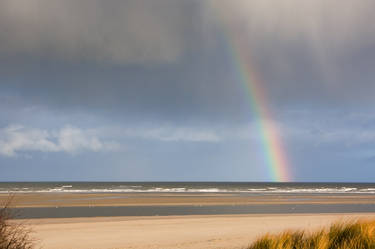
(15, 139)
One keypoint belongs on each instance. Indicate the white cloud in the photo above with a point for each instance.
(72, 139)
(16, 138)
(166, 133)
(179, 134)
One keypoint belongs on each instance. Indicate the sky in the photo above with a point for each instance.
(151, 90)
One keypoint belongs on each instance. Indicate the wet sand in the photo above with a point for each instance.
(70, 205)
(184, 232)
(168, 199)
(117, 211)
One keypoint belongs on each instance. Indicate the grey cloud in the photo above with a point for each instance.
(103, 31)
(171, 59)
(163, 133)
(329, 30)
(170, 134)
(141, 31)
(307, 49)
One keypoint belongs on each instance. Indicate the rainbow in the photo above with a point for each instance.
(272, 146)
(274, 154)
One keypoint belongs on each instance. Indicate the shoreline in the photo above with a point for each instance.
(176, 199)
(44, 221)
(65, 205)
(147, 211)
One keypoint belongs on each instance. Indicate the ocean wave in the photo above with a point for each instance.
(143, 189)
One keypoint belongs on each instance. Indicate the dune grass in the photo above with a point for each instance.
(344, 235)
(13, 235)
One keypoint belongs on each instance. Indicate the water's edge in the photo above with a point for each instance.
(72, 212)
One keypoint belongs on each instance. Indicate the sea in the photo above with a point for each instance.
(188, 187)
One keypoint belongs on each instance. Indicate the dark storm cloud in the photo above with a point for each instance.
(111, 31)
(314, 50)
(122, 55)
(171, 58)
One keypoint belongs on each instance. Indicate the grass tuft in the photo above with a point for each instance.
(13, 235)
(349, 235)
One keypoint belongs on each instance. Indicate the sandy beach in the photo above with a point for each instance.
(99, 224)
(184, 232)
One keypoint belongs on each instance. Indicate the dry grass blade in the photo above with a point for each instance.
(13, 235)
(349, 235)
